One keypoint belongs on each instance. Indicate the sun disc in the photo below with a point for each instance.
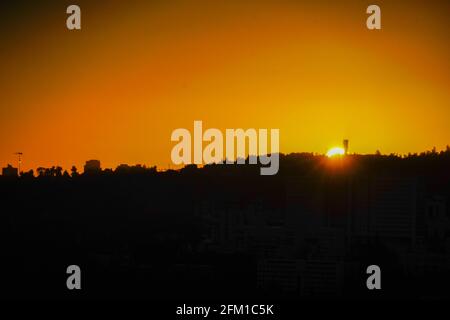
(336, 151)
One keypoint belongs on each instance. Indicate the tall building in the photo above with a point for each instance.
(279, 274)
(92, 166)
(385, 206)
(437, 222)
(321, 278)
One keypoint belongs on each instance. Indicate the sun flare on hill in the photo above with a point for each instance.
(336, 151)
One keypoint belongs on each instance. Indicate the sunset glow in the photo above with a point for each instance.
(336, 151)
(116, 89)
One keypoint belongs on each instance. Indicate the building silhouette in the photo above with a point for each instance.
(92, 166)
(10, 171)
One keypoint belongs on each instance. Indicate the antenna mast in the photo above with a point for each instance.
(19, 154)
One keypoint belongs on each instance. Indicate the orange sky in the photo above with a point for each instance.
(115, 90)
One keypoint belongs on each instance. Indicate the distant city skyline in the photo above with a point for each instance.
(96, 165)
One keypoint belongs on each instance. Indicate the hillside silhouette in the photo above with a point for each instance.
(224, 231)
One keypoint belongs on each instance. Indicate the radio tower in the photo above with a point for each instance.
(345, 143)
(19, 154)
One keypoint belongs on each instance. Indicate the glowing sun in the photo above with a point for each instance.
(336, 151)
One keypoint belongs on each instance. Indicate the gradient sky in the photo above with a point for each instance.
(137, 70)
